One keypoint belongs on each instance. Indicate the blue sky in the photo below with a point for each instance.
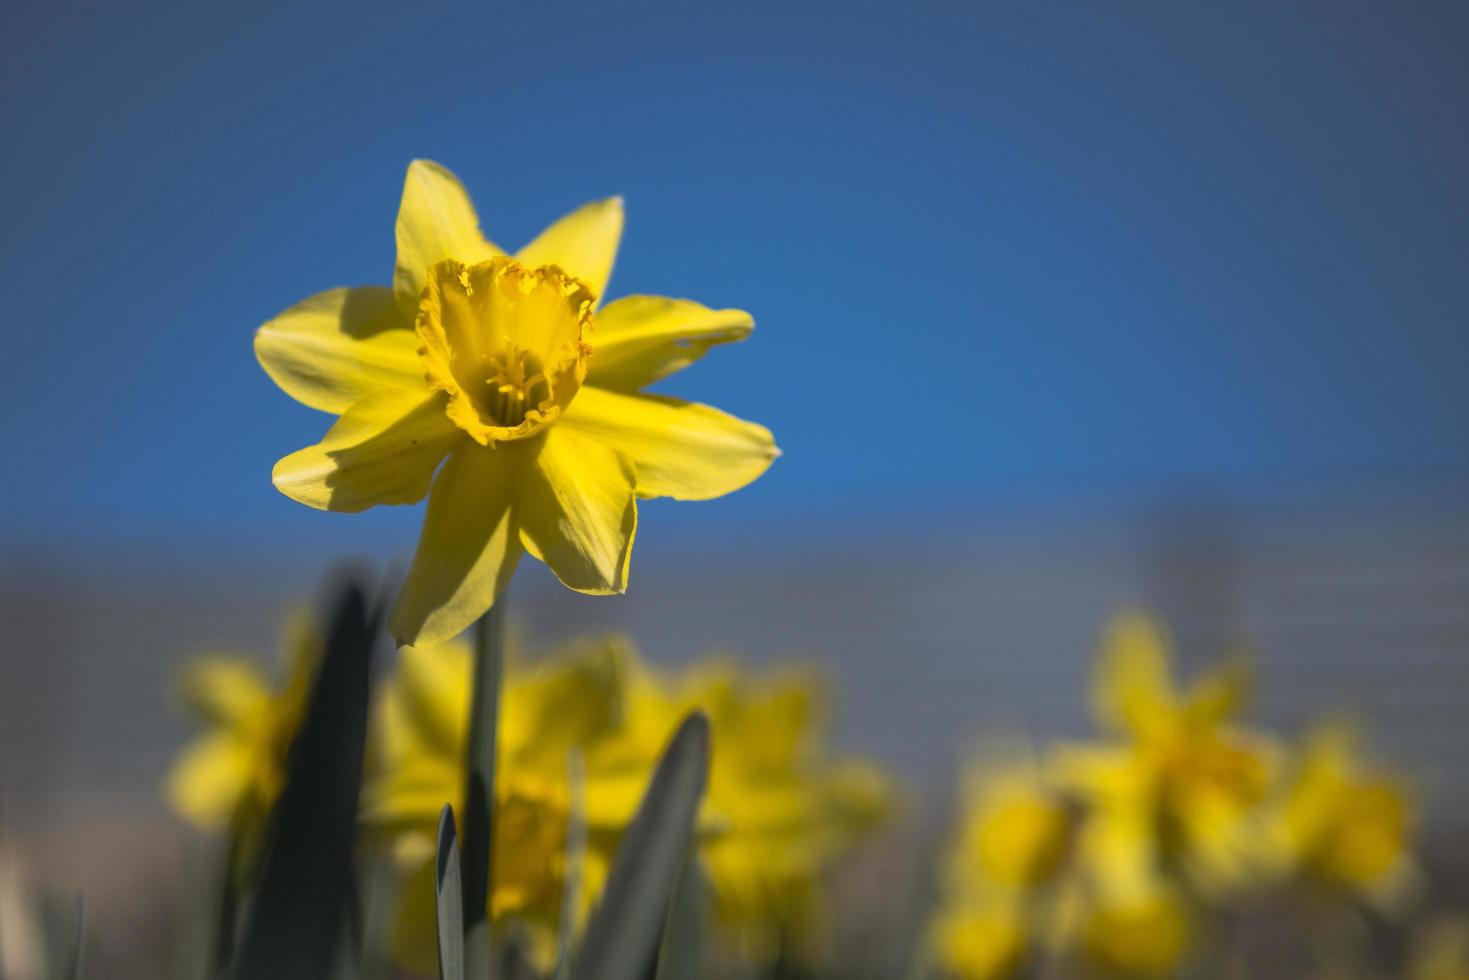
(995, 253)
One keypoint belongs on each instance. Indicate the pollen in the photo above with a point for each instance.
(505, 343)
(509, 373)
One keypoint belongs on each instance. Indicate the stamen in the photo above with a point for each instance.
(508, 377)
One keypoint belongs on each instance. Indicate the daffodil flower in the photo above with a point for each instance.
(1185, 774)
(1347, 824)
(776, 814)
(236, 768)
(498, 387)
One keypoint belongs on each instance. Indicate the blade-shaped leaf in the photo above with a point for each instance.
(682, 955)
(576, 855)
(625, 931)
(450, 900)
(293, 930)
(479, 792)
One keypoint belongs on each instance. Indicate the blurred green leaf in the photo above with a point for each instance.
(623, 937)
(237, 872)
(450, 900)
(293, 929)
(685, 935)
(476, 867)
(576, 853)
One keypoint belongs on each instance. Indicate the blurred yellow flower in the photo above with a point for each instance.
(1147, 939)
(416, 766)
(235, 770)
(775, 813)
(1193, 779)
(1127, 914)
(1034, 875)
(1348, 826)
(982, 937)
(504, 370)
(1013, 835)
(1016, 831)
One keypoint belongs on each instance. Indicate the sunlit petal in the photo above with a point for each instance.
(583, 244)
(383, 450)
(339, 346)
(578, 511)
(469, 546)
(680, 449)
(436, 221)
(640, 339)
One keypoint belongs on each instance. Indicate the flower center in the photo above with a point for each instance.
(506, 343)
(517, 386)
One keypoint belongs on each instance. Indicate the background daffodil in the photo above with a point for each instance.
(776, 814)
(500, 388)
(1184, 773)
(235, 769)
(1348, 824)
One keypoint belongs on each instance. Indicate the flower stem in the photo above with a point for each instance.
(477, 833)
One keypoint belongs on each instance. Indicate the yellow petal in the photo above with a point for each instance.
(468, 548)
(382, 450)
(410, 795)
(578, 512)
(1220, 694)
(583, 244)
(225, 690)
(565, 705)
(640, 339)
(414, 942)
(430, 689)
(336, 347)
(680, 449)
(436, 221)
(208, 779)
(1134, 691)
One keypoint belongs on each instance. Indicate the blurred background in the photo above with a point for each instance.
(1060, 309)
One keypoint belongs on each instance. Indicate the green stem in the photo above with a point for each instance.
(476, 837)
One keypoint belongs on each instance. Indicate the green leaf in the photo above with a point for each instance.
(576, 855)
(685, 935)
(476, 844)
(625, 931)
(294, 926)
(450, 900)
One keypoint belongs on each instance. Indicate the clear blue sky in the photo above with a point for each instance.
(994, 251)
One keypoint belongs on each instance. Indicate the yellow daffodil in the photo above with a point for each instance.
(1147, 939)
(1119, 907)
(774, 815)
(1014, 833)
(982, 936)
(1191, 776)
(777, 811)
(1348, 825)
(1016, 829)
(502, 390)
(235, 770)
(416, 767)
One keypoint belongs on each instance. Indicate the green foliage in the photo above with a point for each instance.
(477, 868)
(449, 897)
(295, 923)
(626, 929)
